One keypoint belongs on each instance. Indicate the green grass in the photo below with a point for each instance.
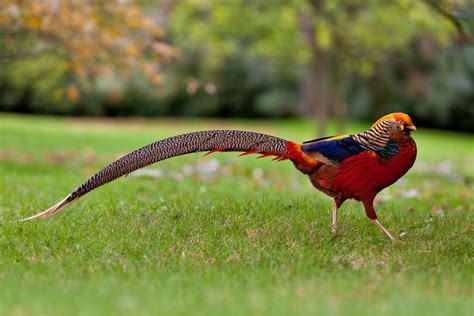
(248, 237)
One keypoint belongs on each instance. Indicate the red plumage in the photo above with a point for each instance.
(368, 171)
(363, 176)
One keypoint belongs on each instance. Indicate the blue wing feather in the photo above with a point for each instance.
(335, 149)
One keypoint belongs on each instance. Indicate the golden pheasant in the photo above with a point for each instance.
(344, 167)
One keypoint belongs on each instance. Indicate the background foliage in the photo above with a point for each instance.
(236, 58)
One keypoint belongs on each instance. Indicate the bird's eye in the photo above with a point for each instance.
(400, 122)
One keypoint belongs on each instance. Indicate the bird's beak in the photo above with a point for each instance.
(412, 127)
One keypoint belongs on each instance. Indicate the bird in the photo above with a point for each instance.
(356, 166)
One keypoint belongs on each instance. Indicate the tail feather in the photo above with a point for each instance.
(250, 152)
(267, 155)
(281, 157)
(52, 210)
(212, 141)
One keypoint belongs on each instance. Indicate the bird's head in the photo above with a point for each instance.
(401, 123)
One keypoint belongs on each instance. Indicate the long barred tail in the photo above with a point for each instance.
(217, 140)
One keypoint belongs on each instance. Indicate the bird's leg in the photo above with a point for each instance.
(335, 226)
(370, 211)
(383, 230)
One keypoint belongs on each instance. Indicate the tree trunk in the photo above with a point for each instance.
(339, 107)
(306, 100)
(320, 74)
(315, 86)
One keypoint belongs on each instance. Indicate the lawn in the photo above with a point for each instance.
(221, 235)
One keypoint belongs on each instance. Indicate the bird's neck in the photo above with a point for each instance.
(376, 138)
(404, 139)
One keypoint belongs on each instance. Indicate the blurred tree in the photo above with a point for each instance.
(75, 42)
(330, 39)
(240, 58)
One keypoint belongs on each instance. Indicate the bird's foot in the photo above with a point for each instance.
(386, 232)
(398, 242)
